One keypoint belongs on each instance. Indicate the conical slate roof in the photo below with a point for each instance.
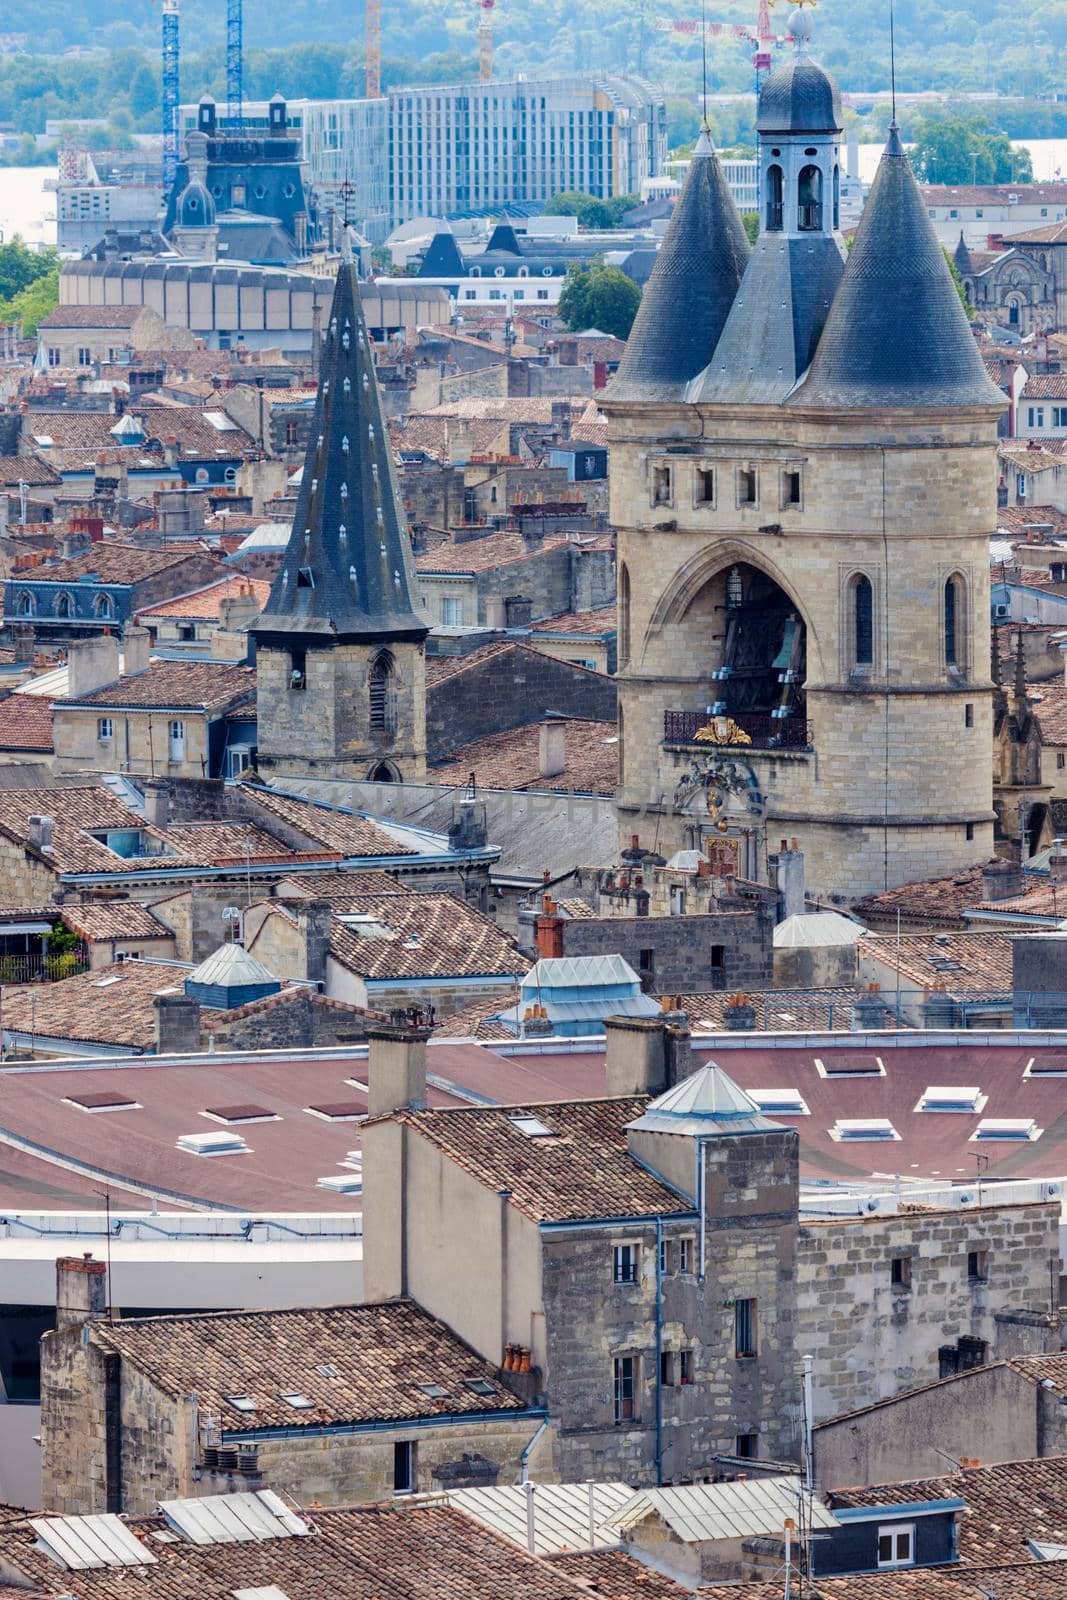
(231, 967)
(692, 287)
(962, 257)
(348, 571)
(897, 334)
(706, 1103)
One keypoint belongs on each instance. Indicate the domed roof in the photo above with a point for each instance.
(799, 97)
(196, 208)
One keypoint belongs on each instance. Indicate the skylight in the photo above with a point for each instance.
(479, 1386)
(104, 1101)
(1020, 1128)
(240, 1402)
(531, 1127)
(298, 1401)
(850, 1067)
(950, 1097)
(232, 1114)
(780, 1102)
(342, 1183)
(434, 1390)
(328, 1370)
(339, 1111)
(213, 1144)
(855, 1129)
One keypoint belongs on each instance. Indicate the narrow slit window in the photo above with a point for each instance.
(863, 622)
(952, 623)
(790, 488)
(661, 486)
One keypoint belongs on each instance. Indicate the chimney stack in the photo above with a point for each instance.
(81, 1290)
(551, 747)
(157, 803)
(788, 869)
(548, 930)
(636, 1055)
(316, 920)
(177, 1024)
(39, 832)
(92, 663)
(1002, 880)
(137, 644)
(396, 1069)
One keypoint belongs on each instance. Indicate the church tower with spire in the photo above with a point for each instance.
(804, 486)
(340, 643)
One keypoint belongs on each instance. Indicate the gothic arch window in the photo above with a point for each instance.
(383, 772)
(379, 692)
(25, 604)
(952, 615)
(1013, 313)
(862, 608)
(837, 196)
(774, 199)
(65, 604)
(809, 199)
(624, 613)
(104, 606)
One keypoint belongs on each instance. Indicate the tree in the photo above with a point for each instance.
(958, 150)
(20, 266)
(958, 281)
(750, 221)
(591, 212)
(599, 297)
(32, 304)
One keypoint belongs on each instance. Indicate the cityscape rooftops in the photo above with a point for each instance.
(184, 685)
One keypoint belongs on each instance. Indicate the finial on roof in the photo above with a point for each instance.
(893, 146)
(801, 27)
(705, 145)
(346, 244)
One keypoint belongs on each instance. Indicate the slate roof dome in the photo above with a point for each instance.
(195, 208)
(799, 97)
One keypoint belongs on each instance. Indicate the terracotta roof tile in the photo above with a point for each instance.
(939, 901)
(603, 620)
(616, 1575)
(474, 1021)
(102, 920)
(195, 434)
(485, 554)
(112, 1005)
(971, 961)
(1045, 386)
(381, 1353)
(1039, 1580)
(78, 814)
(92, 317)
(1017, 518)
(339, 887)
(1049, 701)
(70, 429)
(27, 469)
(205, 605)
(434, 935)
(195, 685)
(351, 835)
(26, 723)
(433, 436)
(111, 561)
(211, 842)
(511, 760)
(583, 1170)
(440, 668)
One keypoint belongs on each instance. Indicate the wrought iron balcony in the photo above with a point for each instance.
(763, 732)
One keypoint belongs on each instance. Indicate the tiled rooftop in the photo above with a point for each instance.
(111, 1006)
(1049, 702)
(327, 828)
(205, 605)
(433, 935)
(583, 1170)
(486, 554)
(511, 760)
(939, 901)
(27, 469)
(435, 437)
(341, 887)
(92, 317)
(70, 429)
(214, 842)
(616, 1575)
(26, 723)
(603, 620)
(440, 668)
(960, 961)
(195, 434)
(110, 561)
(103, 920)
(1035, 1581)
(77, 813)
(210, 686)
(381, 1353)
(509, 408)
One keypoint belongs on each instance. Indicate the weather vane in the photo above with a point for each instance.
(346, 194)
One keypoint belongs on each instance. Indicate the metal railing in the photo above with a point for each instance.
(34, 967)
(764, 732)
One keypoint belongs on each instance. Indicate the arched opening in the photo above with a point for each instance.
(383, 773)
(1013, 313)
(953, 622)
(379, 691)
(24, 605)
(837, 196)
(64, 605)
(809, 199)
(759, 655)
(623, 619)
(774, 199)
(104, 606)
(862, 621)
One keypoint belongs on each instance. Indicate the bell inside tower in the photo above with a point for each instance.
(761, 668)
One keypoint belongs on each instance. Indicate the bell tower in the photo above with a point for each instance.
(340, 645)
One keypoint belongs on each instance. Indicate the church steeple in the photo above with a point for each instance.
(692, 287)
(348, 572)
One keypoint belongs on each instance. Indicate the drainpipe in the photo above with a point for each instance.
(809, 1468)
(700, 1207)
(524, 1459)
(659, 1351)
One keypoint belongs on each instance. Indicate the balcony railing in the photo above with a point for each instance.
(764, 732)
(774, 216)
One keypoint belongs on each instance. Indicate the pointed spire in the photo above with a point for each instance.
(347, 572)
(962, 257)
(1022, 705)
(688, 297)
(897, 334)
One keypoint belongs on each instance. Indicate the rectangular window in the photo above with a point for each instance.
(666, 1369)
(685, 1366)
(625, 1388)
(978, 1266)
(53, 356)
(685, 1255)
(1061, 761)
(900, 1272)
(85, 356)
(747, 1446)
(105, 728)
(664, 1257)
(790, 488)
(404, 1467)
(969, 832)
(624, 1263)
(298, 669)
(744, 1328)
(896, 1546)
(661, 486)
(705, 486)
(968, 716)
(747, 486)
(451, 612)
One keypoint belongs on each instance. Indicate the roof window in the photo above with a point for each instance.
(105, 1100)
(479, 1386)
(212, 1144)
(530, 1127)
(949, 1097)
(298, 1401)
(328, 1370)
(850, 1067)
(232, 1114)
(433, 1390)
(339, 1111)
(342, 1183)
(861, 1128)
(780, 1102)
(1021, 1128)
(240, 1402)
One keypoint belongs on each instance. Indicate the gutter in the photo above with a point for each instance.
(448, 1419)
(182, 874)
(524, 1459)
(647, 1221)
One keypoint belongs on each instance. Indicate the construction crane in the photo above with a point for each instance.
(485, 41)
(760, 37)
(171, 83)
(372, 49)
(234, 64)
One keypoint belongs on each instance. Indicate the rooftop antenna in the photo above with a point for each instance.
(892, 62)
(704, 59)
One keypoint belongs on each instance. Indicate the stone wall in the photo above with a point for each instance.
(302, 1023)
(871, 1339)
(25, 880)
(683, 955)
(73, 1425)
(509, 691)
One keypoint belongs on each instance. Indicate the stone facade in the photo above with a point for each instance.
(511, 690)
(683, 955)
(893, 782)
(871, 1337)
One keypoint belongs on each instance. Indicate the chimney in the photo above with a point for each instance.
(551, 747)
(396, 1070)
(636, 1055)
(177, 1025)
(316, 921)
(938, 1009)
(1039, 979)
(157, 803)
(238, 611)
(496, 616)
(1057, 862)
(518, 611)
(548, 930)
(81, 1290)
(739, 1015)
(788, 868)
(868, 1010)
(92, 663)
(39, 832)
(1002, 880)
(136, 645)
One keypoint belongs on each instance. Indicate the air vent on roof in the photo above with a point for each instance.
(780, 1102)
(339, 1111)
(948, 1097)
(104, 1101)
(1020, 1128)
(850, 1067)
(846, 1128)
(342, 1183)
(531, 1127)
(233, 1114)
(213, 1144)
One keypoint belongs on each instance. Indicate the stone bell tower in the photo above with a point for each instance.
(339, 645)
(804, 484)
